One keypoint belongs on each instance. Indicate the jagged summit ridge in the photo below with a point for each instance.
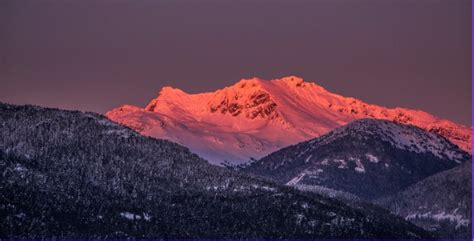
(400, 136)
(250, 100)
(248, 97)
(255, 117)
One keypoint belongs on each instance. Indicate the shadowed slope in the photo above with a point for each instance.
(78, 175)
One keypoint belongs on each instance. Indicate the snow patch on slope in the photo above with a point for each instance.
(295, 180)
(459, 219)
(372, 158)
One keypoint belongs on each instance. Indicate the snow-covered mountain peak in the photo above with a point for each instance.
(255, 117)
(368, 157)
(401, 136)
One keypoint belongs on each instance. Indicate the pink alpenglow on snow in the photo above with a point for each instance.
(255, 117)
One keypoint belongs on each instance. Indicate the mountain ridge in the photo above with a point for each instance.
(69, 174)
(369, 158)
(418, 175)
(255, 117)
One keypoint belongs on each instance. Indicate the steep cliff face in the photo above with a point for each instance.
(255, 117)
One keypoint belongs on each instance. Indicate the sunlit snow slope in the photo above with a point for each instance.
(255, 117)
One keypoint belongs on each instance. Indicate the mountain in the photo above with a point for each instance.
(367, 158)
(441, 203)
(255, 117)
(69, 174)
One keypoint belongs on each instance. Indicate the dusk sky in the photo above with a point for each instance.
(96, 55)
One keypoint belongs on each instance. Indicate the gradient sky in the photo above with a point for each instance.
(98, 54)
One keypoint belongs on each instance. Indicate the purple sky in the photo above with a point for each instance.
(98, 54)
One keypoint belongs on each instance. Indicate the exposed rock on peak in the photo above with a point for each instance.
(253, 102)
(249, 83)
(294, 81)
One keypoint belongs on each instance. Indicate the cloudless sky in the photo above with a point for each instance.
(99, 54)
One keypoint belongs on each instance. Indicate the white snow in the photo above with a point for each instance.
(271, 189)
(20, 215)
(146, 216)
(372, 158)
(325, 162)
(459, 219)
(217, 187)
(266, 188)
(20, 168)
(130, 216)
(299, 218)
(295, 180)
(134, 216)
(360, 167)
(342, 163)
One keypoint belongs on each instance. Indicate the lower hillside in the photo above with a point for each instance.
(77, 175)
(440, 203)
